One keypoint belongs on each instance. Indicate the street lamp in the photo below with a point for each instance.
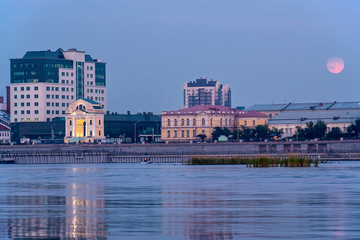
(135, 131)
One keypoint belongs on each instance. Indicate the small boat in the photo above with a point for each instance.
(146, 160)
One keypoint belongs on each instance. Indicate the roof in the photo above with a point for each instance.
(329, 116)
(249, 114)
(305, 106)
(88, 58)
(202, 82)
(90, 101)
(203, 108)
(44, 55)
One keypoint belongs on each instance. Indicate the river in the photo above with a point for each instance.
(172, 201)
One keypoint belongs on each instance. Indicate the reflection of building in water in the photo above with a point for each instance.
(79, 213)
(199, 214)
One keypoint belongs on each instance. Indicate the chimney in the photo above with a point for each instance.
(8, 99)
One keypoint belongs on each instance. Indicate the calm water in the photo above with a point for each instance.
(134, 201)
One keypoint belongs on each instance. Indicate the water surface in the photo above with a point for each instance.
(134, 201)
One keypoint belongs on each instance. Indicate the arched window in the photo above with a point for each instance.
(182, 122)
(168, 122)
(230, 122)
(187, 122)
(220, 121)
(211, 123)
(175, 122)
(194, 122)
(203, 121)
(80, 107)
(225, 121)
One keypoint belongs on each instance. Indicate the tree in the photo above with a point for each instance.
(218, 131)
(276, 132)
(261, 132)
(319, 129)
(309, 131)
(334, 134)
(353, 130)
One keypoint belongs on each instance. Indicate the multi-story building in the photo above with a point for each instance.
(206, 92)
(44, 83)
(188, 123)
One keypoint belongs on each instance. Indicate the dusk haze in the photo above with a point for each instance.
(180, 119)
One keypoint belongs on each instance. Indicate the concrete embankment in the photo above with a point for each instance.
(105, 153)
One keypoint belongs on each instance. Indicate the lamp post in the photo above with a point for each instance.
(135, 131)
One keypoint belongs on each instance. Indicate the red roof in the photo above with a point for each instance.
(251, 114)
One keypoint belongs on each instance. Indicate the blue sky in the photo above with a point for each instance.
(269, 51)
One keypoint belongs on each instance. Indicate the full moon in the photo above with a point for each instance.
(335, 65)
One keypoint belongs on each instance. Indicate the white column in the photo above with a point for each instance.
(73, 127)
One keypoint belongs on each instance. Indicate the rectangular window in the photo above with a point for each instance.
(15, 89)
(253, 122)
(194, 133)
(168, 134)
(67, 74)
(15, 96)
(63, 112)
(22, 112)
(187, 133)
(27, 111)
(90, 122)
(72, 74)
(22, 88)
(63, 74)
(48, 104)
(47, 111)
(63, 97)
(36, 111)
(63, 104)
(57, 104)
(15, 104)
(63, 81)
(175, 133)
(22, 104)
(22, 96)
(27, 96)
(56, 89)
(182, 133)
(36, 88)
(47, 96)
(27, 88)
(36, 104)
(57, 111)
(63, 89)
(15, 112)
(91, 76)
(36, 96)
(28, 104)
(47, 88)
(57, 96)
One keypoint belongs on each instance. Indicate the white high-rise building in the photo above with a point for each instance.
(44, 83)
(206, 92)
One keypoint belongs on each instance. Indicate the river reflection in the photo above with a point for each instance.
(131, 201)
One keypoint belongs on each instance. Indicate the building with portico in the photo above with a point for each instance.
(84, 122)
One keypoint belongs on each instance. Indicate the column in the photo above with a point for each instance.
(73, 127)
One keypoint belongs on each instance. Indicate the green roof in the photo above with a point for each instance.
(90, 101)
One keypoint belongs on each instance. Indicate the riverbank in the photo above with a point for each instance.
(122, 153)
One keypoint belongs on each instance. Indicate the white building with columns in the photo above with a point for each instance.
(84, 122)
(44, 83)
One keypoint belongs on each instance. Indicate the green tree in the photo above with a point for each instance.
(319, 129)
(353, 130)
(276, 132)
(309, 131)
(261, 132)
(218, 131)
(334, 134)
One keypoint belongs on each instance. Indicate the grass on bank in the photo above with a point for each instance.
(293, 161)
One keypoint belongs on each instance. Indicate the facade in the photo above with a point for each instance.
(188, 124)
(141, 127)
(288, 121)
(84, 121)
(206, 92)
(274, 109)
(44, 83)
(5, 128)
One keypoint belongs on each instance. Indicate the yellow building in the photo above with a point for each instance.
(188, 123)
(84, 122)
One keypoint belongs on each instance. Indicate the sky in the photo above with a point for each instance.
(269, 51)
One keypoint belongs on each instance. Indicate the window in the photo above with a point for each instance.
(203, 131)
(36, 111)
(168, 122)
(15, 112)
(15, 89)
(57, 96)
(36, 88)
(22, 112)
(63, 81)
(27, 96)
(27, 88)
(182, 122)
(47, 95)
(99, 122)
(90, 122)
(63, 97)
(245, 123)
(175, 122)
(194, 133)
(15, 104)
(194, 122)
(91, 68)
(47, 111)
(36, 104)
(90, 133)
(63, 104)
(22, 88)
(63, 74)
(91, 76)
(230, 122)
(63, 89)
(225, 121)
(72, 82)
(67, 74)
(15, 96)
(15, 119)
(47, 88)
(220, 121)
(56, 89)
(182, 133)
(22, 104)
(70, 122)
(211, 123)
(99, 133)
(187, 133)
(67, 81)
(22, 96)
(28, 104)
(71, 134)
(203, 121)
(52, 104)
(57, 112)
(62, 112)
(175, 133)
(27, 111)
(48, 104)
(57, 104)
(253, 122)
(168, 134)
(36, 96)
